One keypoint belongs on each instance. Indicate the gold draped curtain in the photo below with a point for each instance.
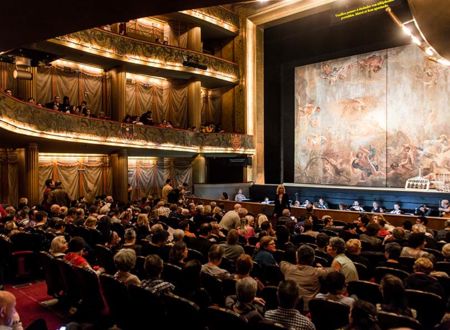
(9, 176)
(167, 100)
(149, 176)
(80, 176)
(211, 106)
(6, 77)
(77, 85)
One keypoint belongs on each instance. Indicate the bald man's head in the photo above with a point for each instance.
(7, 308)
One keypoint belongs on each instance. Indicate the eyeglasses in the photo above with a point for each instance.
(272, 243)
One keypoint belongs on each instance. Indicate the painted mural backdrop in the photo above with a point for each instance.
(373, 119)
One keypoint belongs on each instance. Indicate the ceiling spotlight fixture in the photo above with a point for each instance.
(411, 29)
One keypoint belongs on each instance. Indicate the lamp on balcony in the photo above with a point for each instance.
(22, 74)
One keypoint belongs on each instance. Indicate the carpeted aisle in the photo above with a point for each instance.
(28, 297)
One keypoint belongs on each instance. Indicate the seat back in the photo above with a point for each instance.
(363, 272)
(301, 239)
(407, 262)
(322, 261)
(214, 287)
(272, 275)
(171, 273)
(229, 286)
(223, 319)
(116, 296)
(228, 264)
(68, 281)
(51, 273)
(179, 310)
(249, 249)
(105, 258)
(443, 266)
(268, 325)
(380, 272)
(269, 294)
(337, 312)
(429, 306)
(394, 321)
(197, 255)
(365, 290)
(145, 306)
(89, 286)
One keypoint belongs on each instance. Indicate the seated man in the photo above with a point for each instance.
(335, 285)
(215, 255)
(286, 313)
(153, 267)
(9, 318)
(356, 207)
(245, 302)
(304, 273)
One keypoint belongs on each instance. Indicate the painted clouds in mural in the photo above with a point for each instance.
(372, 119)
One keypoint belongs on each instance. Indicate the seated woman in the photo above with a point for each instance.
(363, 316)
(125, 261)
(416, 242)
(178, 253)
(58, 247)
(335, 285)
(422, 280)
(244, 266)
(232, 249)
(76, 251)
(264, 256)
(341, 263)
(394, 296)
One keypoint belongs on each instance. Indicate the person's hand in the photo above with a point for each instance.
(260, 301)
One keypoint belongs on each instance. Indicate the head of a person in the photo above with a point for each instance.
(288, 294)
(244, 265)
(160, 237)
(130, 236)
(327, 220)
(372, 229)
(445, 203)
(168, 181)
(423, 265)
(393, 291)
(446, 251)
(153, 266)
(281, 189)
(191, 273)
(125, 260)
(49, 183)
(416, 240)
(305, 255)
(398, 233)
(215, 254)
(336, 246)
(91, 222)
(205, 229)
(392, 251)
(232, 237)
(407, 225)
(77, 244)
(246, 289)
(335, 283)
(363, 315)
(322, 240)
(179, 251)
(178, 235)
(267, 243)
(7, 308)
(353, 246)
(58, 245)
(308, 225)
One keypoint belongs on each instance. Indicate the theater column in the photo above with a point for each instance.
(199, 169)
(194, 39)
(118, 94)
(194, 104)
(119, 163)
(32, 173)
(27, 88)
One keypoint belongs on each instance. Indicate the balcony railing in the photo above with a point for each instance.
(27, 119)
(216, 15)
(104, 43)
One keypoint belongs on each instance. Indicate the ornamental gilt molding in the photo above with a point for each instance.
(216, 15)
(104, 43)
(23, 118)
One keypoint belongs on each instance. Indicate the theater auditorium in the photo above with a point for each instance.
(224, 164)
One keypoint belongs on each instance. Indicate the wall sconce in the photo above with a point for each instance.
(19, 73)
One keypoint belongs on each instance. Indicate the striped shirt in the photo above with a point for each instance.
(290, 318)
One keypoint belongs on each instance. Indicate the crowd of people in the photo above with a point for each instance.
(316, 258)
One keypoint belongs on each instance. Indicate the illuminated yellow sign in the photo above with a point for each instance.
(363, 10)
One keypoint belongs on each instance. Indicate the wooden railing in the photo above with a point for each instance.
(347, 216)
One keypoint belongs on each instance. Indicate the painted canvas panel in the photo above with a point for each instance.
(418, 125)
(373, 119)
(341, 121)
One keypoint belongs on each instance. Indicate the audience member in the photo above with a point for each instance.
(232, 249)
(58, 247)
(244, 302)
(341, 263)
(416, 242)
(215, 255)
(394, 296)
(264, 256)
(286, 314)
(178, 254)
(363, 316)
(9, 318)
(125, 261)
(335, 286)
(153, 267)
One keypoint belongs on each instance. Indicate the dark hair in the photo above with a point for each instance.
(372, 229)
(225, 195)
(160, 236)
(48, 182)
(288, 293)
(191, 274)
(205, 229)
(305, 255)
(393, 250)
(416, 239)
(265, 225)
(308, 225)
(407, 225)
(76, 244)
(168, 181)
(423, 220)
(364, 316)
(338, 244)
(153, 266)
(322, 240)
(232, 237)
(282, 233)
(335, 282)
(244, 264)
(394, 296)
